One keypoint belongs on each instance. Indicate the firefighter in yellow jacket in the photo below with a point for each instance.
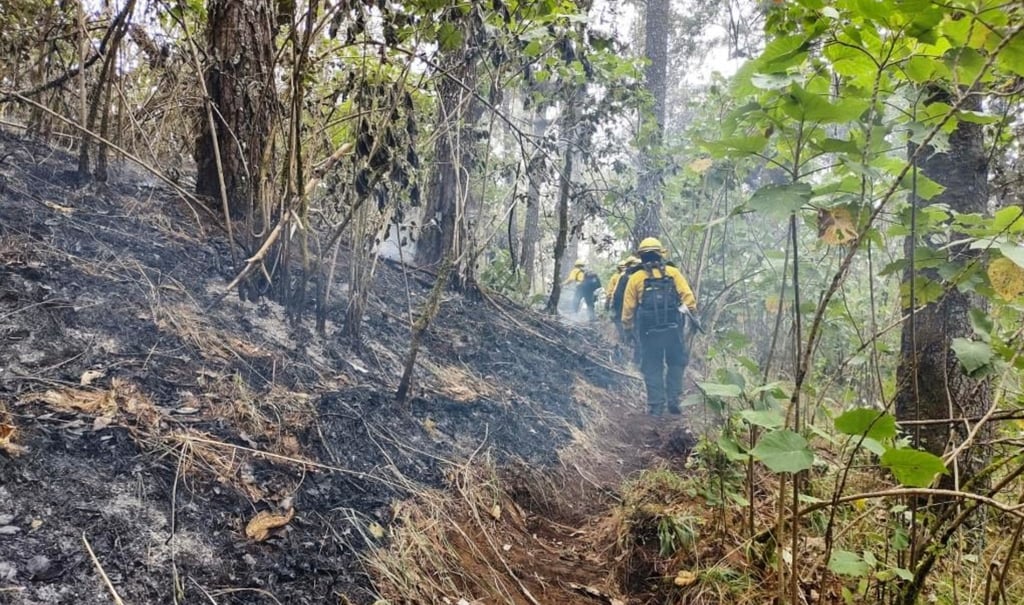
(651, 307)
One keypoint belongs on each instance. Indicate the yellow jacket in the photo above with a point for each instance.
(576, 275)
(635, 288)
(609, 290)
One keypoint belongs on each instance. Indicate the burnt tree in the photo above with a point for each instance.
(932, 384)
(239, 80)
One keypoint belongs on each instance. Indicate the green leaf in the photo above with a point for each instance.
(1013, 252)
(784, 451)
(868, 422)
(769, 419)
(1009, 219)
(732, 449)
(780, 200)
(449, 37)
(803, 105)
(714, 389)
(973, 355)
(913, 468)
(920, 69)
(846, 563)
(982, 323)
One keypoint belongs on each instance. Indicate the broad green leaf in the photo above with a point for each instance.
(713, 389)
(873, 446)
(846, 563)
(1013, 252)
(731, 449)
(868, 422)
(782, 53)
(780, 200)
(773, 81)
(1011, 58)
(745, 145)
(769, 419)
(973, 355)
(1009, 219)
(784, 451)
(920, 69)
(977, 117)
(803, 105)
(913, 468)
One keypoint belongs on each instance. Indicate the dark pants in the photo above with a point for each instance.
(590, 298)
(663, 358)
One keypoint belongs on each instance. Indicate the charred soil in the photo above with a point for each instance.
(192, 447)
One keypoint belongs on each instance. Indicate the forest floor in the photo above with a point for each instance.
(167, 443)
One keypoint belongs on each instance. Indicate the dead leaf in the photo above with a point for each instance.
(376, 530)
(1006, 277)
(259, 527)
(89, 376)
(81, 400)
(701, 165)
(684, 578)
(36, 524)
(7, 444)
(835, 226)
(496, 512)
(102, 422)
(431, 427)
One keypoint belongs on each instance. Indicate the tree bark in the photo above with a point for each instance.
(445, 229)
(932, 383)
(240, 82)
(531, 224)
(652, 124)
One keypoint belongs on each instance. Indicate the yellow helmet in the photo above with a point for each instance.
(579, 263)
(632, 260)
(650, 244)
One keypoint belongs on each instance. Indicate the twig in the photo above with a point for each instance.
(103, 574)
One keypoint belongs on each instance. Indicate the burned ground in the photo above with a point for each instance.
(153, 418)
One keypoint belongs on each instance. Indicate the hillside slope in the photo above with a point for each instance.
(154, 420)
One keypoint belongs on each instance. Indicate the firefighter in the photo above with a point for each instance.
(651, 305)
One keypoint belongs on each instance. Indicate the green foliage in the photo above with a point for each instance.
(913, 468)
(868, 422)
(784, 451)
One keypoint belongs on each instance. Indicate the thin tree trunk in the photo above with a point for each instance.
(531, 225)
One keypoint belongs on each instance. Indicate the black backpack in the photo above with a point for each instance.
(659, 307)
(591, 282)
(620, 291)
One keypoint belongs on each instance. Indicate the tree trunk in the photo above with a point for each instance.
(564, 192)
(652, 126)
(445, 219)
(240, 82)
(932, 384)
(531, 225)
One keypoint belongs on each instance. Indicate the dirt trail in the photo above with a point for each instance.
(141, 416)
